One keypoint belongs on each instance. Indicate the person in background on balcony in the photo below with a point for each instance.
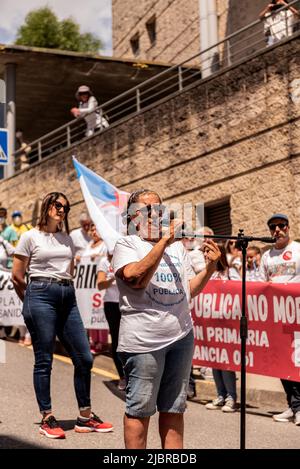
(278, 25)
(87, 103)
(50, 309)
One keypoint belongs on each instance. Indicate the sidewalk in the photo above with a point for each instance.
(261, 390)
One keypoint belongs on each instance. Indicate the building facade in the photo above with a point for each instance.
(169, 31)
(230, 142)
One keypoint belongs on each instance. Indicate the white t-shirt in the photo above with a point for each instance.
(281, 265)
(80, 239)
(157, 316)
(197, 259)
(96, 251)
(228, 274)
(111, 293)
(254, 275)
(279, 25)
(50, 254)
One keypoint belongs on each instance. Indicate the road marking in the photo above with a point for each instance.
(97, 371)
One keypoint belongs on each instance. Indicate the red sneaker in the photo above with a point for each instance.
(51, 429)
(94, 424)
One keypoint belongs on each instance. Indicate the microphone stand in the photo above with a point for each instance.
(242, 242)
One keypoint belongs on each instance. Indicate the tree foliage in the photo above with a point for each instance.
(42, 28)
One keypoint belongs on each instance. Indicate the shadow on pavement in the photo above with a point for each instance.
(112, 386)
(250, 408)
(66, 425)
(8, 442)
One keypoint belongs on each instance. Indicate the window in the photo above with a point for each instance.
(217, 217)
(151, 29)
(135, 44)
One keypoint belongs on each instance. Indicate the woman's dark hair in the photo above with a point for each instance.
(47, 202)
(133, 199)
(277, 6)
(222, 264)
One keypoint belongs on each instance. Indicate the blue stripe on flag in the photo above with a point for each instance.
(97, 186)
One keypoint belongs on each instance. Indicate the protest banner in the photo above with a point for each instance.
(89, 298)
(273, 344)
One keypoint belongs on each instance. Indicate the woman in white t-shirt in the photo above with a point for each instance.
(106, 281)
(156, 280)
(49, 309)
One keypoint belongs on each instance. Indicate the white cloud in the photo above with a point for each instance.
(93, 16)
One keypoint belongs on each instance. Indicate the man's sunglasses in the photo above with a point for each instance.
(60, 206)
(148, 210)
(281, 226)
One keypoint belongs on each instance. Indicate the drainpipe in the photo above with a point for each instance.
(208, 36)
(2, 115)
(10, 81)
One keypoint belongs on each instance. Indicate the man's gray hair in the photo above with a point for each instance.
(84, 216)
(205, 230)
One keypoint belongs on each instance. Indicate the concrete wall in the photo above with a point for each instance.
(235, 136)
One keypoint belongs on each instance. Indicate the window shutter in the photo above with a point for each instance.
(217, 217)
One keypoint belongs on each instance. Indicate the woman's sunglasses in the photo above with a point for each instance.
(60, 206)
(149, 210)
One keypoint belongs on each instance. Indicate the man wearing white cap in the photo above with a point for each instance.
(281, 264)
(87, 103)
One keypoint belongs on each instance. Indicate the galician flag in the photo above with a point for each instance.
(104, 202)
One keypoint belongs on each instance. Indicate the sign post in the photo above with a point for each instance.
(3, 146)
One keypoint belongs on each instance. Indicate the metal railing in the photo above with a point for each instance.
(236, 47)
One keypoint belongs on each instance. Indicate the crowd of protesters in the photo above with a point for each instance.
(150, 325)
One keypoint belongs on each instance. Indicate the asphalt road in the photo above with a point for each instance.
(20, 418)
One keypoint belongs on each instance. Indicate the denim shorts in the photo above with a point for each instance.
(158, 379)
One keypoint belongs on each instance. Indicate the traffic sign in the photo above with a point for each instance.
(3, 146)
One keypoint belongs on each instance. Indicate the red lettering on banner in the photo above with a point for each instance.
(273, 343)
(97, 300)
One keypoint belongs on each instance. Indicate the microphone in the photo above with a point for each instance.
(267, 240)
(167, 220)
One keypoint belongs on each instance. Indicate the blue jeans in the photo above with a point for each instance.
(158, 379)
(50, 310)
(225, 383)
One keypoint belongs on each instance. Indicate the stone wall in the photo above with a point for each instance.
(177, 26)
(177, 29)
(236, 136)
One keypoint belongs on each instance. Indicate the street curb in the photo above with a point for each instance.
(206, 391)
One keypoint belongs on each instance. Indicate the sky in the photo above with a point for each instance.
(93, 16)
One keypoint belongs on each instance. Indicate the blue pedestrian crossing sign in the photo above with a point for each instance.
(3, 146)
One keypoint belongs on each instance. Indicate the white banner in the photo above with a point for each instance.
(89, 298)
(10, 305)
